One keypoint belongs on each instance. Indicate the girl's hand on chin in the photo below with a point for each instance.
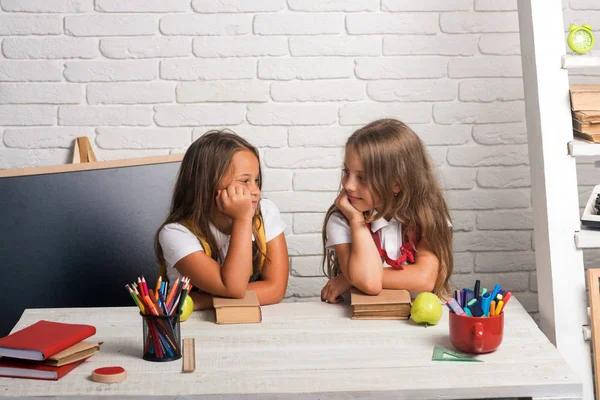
(235, 202)
(349, 211)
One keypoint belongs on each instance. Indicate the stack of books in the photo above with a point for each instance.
(585, 107)
(389, 304)
(238, 311)
(46, 350)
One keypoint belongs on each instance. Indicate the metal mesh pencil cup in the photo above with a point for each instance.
(162, 337)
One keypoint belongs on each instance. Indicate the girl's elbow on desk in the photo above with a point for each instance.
(273, 299)
(235, 287)
(280, 295)
(370, 286)
(236, 293)
(429, 278)
(233, 290)
(269, 291)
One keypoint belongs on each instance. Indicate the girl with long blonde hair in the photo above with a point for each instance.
(389, 227)
(219, 232)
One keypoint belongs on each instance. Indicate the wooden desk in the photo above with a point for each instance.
(305, 350)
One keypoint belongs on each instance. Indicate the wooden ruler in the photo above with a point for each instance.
(189, 355)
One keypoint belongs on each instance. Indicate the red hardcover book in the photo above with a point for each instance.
(24, 369)
(43, 339)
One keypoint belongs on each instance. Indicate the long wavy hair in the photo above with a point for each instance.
(392, 153)
(204, 164)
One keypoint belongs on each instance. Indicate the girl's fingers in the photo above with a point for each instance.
(225, 198)
(225, 193)
(230, 191)
(331, 298)
(240, 190)
(337, 199)
(344, 199)
(237, 190)
(341, 200)
(324, 292)
(328, 293)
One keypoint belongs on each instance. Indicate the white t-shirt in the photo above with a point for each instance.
(390, 234)
(177, 241)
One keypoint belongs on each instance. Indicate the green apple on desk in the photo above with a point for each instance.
(187, 308)
(426, 309)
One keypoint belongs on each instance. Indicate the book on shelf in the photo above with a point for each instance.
(238, 311)
(590, 137)
(586, 127)
(585, 96)
(15, 368)
(587, 116)
(389, 304)
(43, 339)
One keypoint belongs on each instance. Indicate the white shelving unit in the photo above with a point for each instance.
(582, 148)
(580, 61)
(558, 235)
(587, 238)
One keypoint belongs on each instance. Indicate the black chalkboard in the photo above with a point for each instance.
(75, 238)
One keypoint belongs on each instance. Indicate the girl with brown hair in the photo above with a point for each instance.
(219, 232)
(389, 227)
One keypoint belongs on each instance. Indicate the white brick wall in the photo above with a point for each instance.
(296, 77)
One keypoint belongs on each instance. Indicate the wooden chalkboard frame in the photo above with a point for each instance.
(56, 169)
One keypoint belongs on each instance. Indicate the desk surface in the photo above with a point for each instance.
(304, 349)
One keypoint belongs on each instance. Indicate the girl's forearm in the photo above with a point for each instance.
(238, 262)
(267, 292)
(364, 265)
(412, 278)
(202, 300)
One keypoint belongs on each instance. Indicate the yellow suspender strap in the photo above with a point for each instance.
(261, 241)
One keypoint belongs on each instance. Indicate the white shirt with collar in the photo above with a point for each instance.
(177, 241)
(390, 234)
